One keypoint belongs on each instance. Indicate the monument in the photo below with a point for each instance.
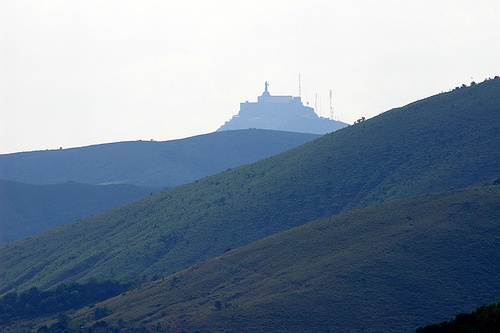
(282, 113)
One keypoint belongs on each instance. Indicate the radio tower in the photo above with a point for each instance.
(331, 107)
(316, 104)
(299, 87)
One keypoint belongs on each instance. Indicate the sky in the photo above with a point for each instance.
(76, 73)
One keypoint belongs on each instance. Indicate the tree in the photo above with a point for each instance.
(101, 312)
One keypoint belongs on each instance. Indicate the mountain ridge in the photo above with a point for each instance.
(397, 154)
(149, 163)
(62, 200)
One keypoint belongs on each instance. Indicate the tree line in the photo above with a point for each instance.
(35, 302)
(485, 319)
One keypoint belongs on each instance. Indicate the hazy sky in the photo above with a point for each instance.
(75, 73)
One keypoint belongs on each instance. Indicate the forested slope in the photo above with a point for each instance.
(445, 142)
(389, 267)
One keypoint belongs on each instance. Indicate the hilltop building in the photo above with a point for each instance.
(282, 113)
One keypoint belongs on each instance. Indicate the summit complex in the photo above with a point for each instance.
(282, 113)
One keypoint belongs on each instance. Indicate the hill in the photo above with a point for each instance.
(486, 318)
(385, 268)
(149, 163)
(29, 209)
(282, 113)
(445, 142)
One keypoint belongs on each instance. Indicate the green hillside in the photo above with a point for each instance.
(486, 318)
(149, 163)
(444, 142)
(385, 268)
(29, 209)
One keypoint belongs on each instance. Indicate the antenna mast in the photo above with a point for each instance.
(316, 104)
(331, 107)
(300, 95)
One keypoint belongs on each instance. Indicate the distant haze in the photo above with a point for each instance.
(74, 73)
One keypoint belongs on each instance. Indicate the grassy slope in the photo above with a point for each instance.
(390, 267)
(154, 164)
(445, 142)
(29, 209)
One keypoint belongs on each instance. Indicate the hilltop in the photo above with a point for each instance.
(149, 163)
(283, 113)
(442, 143)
